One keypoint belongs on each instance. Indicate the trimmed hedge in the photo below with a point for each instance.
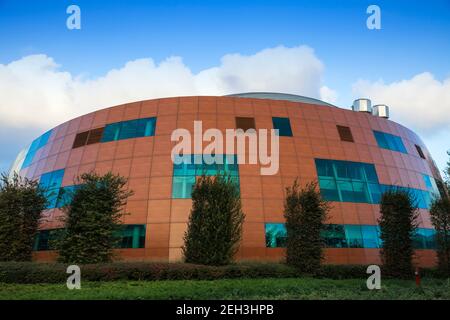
(29, 272)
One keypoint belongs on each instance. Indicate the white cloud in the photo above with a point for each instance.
(422, 102)
(37, 93)
(328, 95)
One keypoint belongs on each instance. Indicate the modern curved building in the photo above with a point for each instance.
(354, 154)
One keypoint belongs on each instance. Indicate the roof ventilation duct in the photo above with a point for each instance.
(381, 110)
(362, 105)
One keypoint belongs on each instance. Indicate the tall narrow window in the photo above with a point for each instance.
(420, 152)
(345, 133)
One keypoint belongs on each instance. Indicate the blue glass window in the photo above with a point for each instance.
(34, 147)
(334, 236)
(349, 181)
(44, 238)
(275, 235)
(131, 236)
(187, 167)
(65, 195)
(51, 183)
(389, 141)
(348, 236)
(129, 129)
(354, 236)
(283, 125)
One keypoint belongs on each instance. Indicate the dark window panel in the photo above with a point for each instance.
(245, 123)
(80, 139)
(420, 152)
(283, 125)
(95, 136)
(345, 133)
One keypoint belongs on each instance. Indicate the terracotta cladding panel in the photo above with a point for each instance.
(61, 130)
(132, 111)
(135, 212)
(188, 105)
(149, 108)
(177, 231)
(139, 187)
(86, 122)
(253, 209)
(74, 125)
(253, 234)
(261, 107)
(168, 106)
(75, 157)
(100, 118)
(278, 108)
(103, 167)
(243, 108)
(70, 174)
(124, 148)
(107, 151)
(165, 125)
(157, 235)
(158, 211)
(207, 105)
(143, 147)
(116, 114)
(180, 210)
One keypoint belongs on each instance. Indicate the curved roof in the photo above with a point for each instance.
(280, 96)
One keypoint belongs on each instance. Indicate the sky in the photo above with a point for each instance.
(133, 50)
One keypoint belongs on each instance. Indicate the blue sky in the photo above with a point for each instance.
(414, 39)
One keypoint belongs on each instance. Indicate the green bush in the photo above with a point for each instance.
(92, 219)
(27, 272)
(305, 212)
(21, 203)
(398, 224)
(215, 223)
(440, 218)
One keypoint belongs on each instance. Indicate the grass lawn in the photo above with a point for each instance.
(300, 288)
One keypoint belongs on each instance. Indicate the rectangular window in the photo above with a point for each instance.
(275, 235)
(389, 141)
(51, 183)
(44, 239)
(348, 236)
(345, 133)
(245, 123)
(131, 236)
(129, 129)
(95, 136)
(283, 125)
(420, 152)
(188, 167)
(349, 181)
(65, 195)
(334, 236)
(80, 139)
